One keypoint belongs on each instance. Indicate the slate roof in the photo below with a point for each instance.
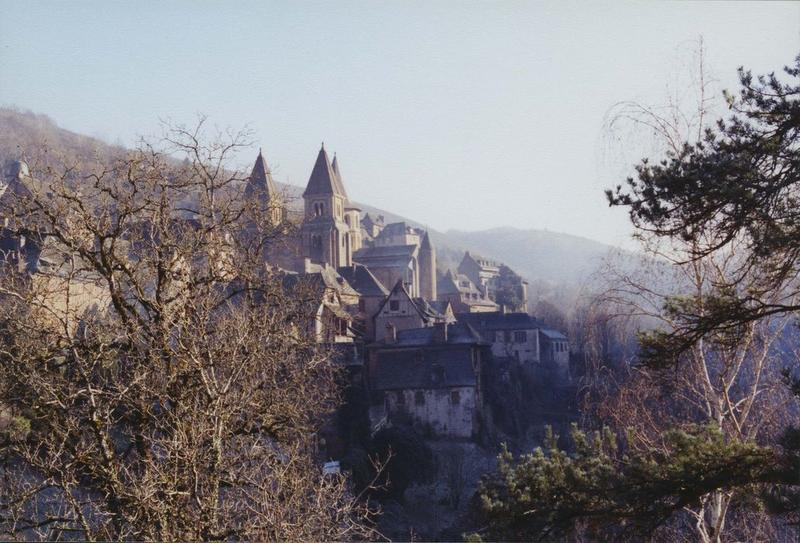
(447, 284)
(338, 177)
(323, 276)
(458, 333)
(260, 183)
(422, 368)
(394, 255)
(323, 179)
(426, 242)
(499, 321)
(553, 334)
(440, 307)
(362, 280)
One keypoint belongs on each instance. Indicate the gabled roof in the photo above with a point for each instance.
(399, 289)
(362, 280)
(338, 177)
(260, 183)
(320, 277)
(447, 284)
(323, 179)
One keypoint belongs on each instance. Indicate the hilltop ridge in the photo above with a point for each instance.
(551, 261)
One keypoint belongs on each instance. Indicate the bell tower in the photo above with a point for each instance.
(325, 234)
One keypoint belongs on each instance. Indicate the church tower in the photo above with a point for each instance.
(427, 269)
(261, 192)
(325, 234)
(352, 215)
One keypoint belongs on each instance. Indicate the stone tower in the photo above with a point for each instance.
(352, 215)
(262, 192)
(325, 235)
(427, 269)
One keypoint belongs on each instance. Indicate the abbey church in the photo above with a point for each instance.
(332, 235)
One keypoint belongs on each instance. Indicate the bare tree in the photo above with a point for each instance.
(159, 380)
(731, 379)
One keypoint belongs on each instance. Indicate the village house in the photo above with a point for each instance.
(429, 377)
(463, 294)
(401, 311)
(371, 295)
(520, 337)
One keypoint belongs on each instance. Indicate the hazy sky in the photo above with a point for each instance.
(465, 115)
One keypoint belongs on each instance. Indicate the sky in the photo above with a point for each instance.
(459, 114)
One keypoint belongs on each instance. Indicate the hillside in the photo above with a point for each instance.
(557, 265)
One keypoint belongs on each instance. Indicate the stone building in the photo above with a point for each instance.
(371, 227)
(331, 230)
(521, 337)
(464, 295)
(371, 294)
(402, 311)
(402, 252)
(263, 193)
(430, 377)
(511, 335)
(333, 300)
(496, 281)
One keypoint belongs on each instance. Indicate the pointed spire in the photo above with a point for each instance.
(323, 179)
(339, 181)
(260, 183)
(426, 242)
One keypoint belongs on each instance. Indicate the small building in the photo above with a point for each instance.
(429, 377)
(332, 297)
(463, 294)
(401, 311)
(555, 350)
(371, 293)
(511, 335)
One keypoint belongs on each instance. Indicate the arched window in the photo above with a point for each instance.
(319, 209)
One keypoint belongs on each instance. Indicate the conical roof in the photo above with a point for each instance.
(260, 183)
(426, 242)
(338, 174)
(323, 179)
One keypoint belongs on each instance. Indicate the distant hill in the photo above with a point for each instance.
(557, 265)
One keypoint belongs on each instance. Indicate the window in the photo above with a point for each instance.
(319, 209)
(498, 336)
(455, 397)
(401, 398)
(394, 305)
(362, 305)
(520, 336)
(507, 336)
(419, 398)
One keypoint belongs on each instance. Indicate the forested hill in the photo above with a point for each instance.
(557, 265)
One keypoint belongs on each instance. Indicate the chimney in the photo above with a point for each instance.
(391, 333)
(440, 332)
